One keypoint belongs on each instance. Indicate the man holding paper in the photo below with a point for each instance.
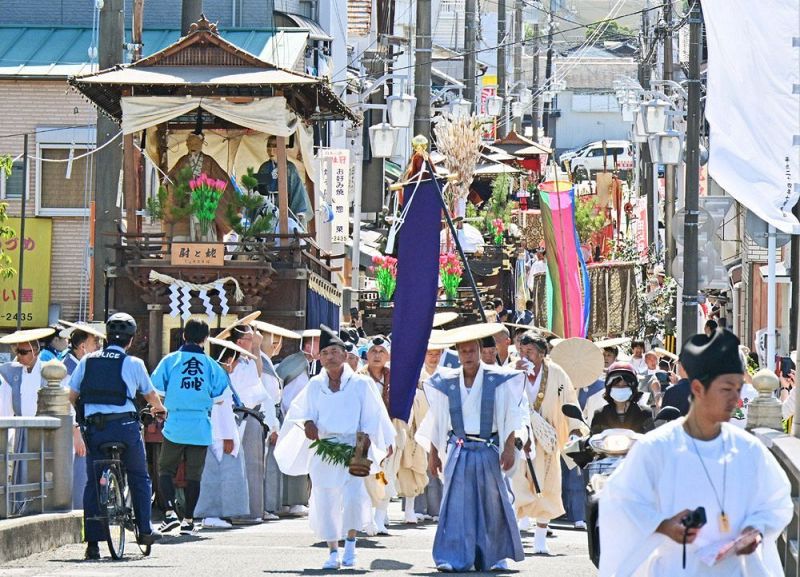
(697, 461)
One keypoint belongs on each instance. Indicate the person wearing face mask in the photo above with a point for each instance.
(622, 410)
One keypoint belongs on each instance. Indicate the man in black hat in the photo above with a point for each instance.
(744, 493)
(335, 405)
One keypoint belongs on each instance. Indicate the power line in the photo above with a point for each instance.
(540, 37)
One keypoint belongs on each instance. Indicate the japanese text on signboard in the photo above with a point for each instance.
(197, 254)
(336, 184)
(35, 293)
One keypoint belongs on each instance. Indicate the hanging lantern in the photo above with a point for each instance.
(655, 116)
(547, 96)
(401, 110)
(382, 138)
(517, 109)
(494, 105)
(460, 108)
(666, 147)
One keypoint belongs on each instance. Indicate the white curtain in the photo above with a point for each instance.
(268, 116)
(754, 114)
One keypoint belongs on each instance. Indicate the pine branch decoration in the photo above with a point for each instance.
(244, 214)
(332, 452)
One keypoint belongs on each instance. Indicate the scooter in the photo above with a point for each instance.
(598, 456)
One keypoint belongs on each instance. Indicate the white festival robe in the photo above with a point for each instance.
(662, 475)
(339, 501)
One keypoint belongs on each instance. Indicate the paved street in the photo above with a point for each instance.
(287, 547)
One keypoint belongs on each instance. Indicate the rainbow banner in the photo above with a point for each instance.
(566, 268)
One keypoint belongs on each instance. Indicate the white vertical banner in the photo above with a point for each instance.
(337, 180)
(753, 103)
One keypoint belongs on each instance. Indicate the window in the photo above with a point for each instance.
(11, 186)
(64, 188)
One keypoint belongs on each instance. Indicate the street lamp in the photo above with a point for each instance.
(382, 138)
(516, 109)
(401, 110)
(628, 108)
(547, 96)
(655, 116)
(494, 105)
(666, 147)
(460, 108)
(638, 133)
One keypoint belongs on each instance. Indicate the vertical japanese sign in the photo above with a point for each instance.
(490, 130)
(336, 184)
(640, 227)
(35, 295)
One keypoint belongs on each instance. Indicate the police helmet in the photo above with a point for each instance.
(120, 325)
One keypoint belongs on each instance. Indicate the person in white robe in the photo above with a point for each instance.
(697, 461)
(336, 404)
(469, 433)
(223, 487)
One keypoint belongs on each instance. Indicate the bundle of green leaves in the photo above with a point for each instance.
(333, 452)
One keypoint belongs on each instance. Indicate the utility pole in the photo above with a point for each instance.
(518, 58)
(669, 170)
(535, 86)
(502, 125)
(548, 67)
(470, 56)
(108, 160)
(690, 254)
(422, 70)
(191, 10)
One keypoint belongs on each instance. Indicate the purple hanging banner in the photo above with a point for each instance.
(415, 295)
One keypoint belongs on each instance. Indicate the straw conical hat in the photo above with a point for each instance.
(581, 359)
(92, 330)
(467, 333)
(440, 319)
(246, 320)
(27, 336)
(232, 346)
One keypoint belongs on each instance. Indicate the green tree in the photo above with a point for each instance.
(587, 221)
(611, 31)
(6, 270)
(173, 208)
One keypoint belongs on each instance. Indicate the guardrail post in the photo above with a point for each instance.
(765, 410)
(54, 402)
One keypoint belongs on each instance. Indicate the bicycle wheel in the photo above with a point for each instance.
(115, 513)
(145, 549)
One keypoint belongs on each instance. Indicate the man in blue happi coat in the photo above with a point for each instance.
(191, 382)
(469, 429)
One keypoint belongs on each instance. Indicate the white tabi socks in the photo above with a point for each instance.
(381, 518)
(349, 559)
(540, 541)
(411, 516)
(333, 561)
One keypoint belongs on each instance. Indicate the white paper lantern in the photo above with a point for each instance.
(401, 110)
(382, 138)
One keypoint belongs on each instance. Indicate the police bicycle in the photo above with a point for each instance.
(114, 495)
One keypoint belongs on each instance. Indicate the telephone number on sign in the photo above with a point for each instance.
(22, 316)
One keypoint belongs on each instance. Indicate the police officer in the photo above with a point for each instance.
(105, 384)
(191, 383)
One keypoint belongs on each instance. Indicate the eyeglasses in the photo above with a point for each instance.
(24, 352)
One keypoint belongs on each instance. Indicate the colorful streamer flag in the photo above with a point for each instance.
(415, 295)
(565, 265)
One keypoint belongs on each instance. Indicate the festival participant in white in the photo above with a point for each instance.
(469, 432)
(381, 487)
(334, 406)
(548, 388)
(223, 487)
(697, 461)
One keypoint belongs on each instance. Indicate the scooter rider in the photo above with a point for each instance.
(622, 395)
(102, 388)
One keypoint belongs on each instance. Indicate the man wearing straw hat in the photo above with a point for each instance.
(20, 381)
(334, 407)
(105, 384)
(248, 386)
(223, 486)
(469, 433)
(82, 339)
(191, 383)
(548, 388)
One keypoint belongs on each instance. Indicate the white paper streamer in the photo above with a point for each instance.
(207, 304)
(186, 302)
(174, 301)
(223, 299)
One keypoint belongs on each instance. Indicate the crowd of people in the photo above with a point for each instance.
(250, 435)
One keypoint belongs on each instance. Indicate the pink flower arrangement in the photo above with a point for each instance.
(498, 226)
(385, 270)
(206, 193)
(450, 271)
